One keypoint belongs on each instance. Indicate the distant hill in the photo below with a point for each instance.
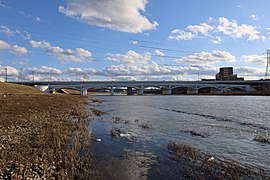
(9, 88)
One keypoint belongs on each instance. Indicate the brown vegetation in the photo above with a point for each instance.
(195, 133)
(145, 126)
(117, 132)
(96, 100)
(98, 112)
(195, 164)
(262, 139)
(37, 139)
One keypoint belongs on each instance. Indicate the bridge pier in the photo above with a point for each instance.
(112, 91)
(83, 92)
(140, 92)
(167, 91)
(129, 91)
(192, 91)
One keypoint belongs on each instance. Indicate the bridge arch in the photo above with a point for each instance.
(209, 89)
(235, 89)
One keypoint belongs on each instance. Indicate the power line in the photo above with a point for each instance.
(93, 39)
(66, 34)
(148, 42)
(167, 49)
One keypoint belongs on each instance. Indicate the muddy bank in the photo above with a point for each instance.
(45, 136)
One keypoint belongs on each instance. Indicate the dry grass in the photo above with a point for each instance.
(145, 126)
(9, 88)
(97, 112)
(38, 141)
(262, 139)
(195, 164)
(115, 132)
(195, 133)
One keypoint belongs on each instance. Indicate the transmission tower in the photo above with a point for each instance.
(267, 64)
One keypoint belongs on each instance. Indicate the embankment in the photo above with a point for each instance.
(9, 88)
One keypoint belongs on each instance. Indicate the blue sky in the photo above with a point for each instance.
(132, 39)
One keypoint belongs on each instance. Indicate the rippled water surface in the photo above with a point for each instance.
(230, 122)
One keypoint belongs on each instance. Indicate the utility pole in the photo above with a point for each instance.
(21, 75)
(50, 76)
(267, 64)
(33, 75)
(6, 70)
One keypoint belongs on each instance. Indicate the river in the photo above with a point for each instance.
(229, 123)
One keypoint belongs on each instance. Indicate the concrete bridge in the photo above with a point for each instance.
(192, 87)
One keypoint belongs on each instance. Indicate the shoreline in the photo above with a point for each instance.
(44, 136)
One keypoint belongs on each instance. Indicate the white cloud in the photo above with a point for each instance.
(118, 15)
(4, 45)
(159, 53)
(15, 49)
(254, 58)
(234, 30)
(216, 40)
(37, 19)
(81, 72)
(134, 42)
(203, 29)
(11, 71)
(213, 29)
(42, 73)
(2, 5)
(131, 57)
(68, 55)
(207, 58)
(6, 30)
(254, 17)
(178, 34)
(141, 65)
(25, 35)
(250, 72)
(135, 66)
(21, 63)
(44, 70)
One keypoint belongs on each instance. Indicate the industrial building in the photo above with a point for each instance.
(226, 74)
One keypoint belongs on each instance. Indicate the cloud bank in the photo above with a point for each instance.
(120, 15)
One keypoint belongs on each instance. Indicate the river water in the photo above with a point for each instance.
(230, 122)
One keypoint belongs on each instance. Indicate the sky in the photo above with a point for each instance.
(95, 40)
